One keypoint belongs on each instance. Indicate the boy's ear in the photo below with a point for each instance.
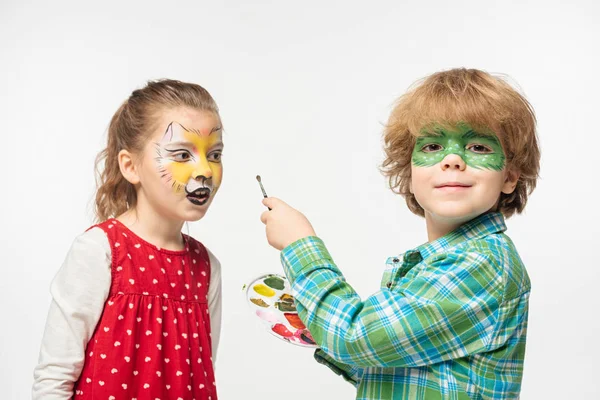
(510, 182)
(128, 167)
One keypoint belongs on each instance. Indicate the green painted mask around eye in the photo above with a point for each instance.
(477, 150)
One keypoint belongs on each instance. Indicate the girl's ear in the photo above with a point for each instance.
(510, 182)
(128, 167)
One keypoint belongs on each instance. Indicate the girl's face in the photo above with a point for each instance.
(180, 168)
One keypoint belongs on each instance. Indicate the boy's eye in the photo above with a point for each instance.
(215, 156)
(431, 147)
(479, 148)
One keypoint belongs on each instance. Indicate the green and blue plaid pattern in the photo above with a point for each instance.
(449, 321)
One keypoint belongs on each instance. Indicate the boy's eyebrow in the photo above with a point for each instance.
(475, 135)
(432, 133)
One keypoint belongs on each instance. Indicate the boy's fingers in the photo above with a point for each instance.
(272, 202)
(264, 216)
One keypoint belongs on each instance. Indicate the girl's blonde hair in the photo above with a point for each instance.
(470, 96)
(130, 128)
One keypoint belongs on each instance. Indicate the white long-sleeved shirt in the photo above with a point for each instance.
(79, 292)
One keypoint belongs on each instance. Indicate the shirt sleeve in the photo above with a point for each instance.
(447, 311)
(214, 303)
(351, 373)
(79, 291)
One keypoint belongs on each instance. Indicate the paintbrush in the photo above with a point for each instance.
(262, 188)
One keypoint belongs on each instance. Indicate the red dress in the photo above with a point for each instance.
(153, 338)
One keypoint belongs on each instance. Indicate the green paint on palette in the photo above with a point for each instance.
(285, 303)
(275, 282)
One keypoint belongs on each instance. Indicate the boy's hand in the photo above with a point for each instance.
(284, 224)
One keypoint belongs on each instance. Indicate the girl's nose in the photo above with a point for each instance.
(453, 162)
(202, 170)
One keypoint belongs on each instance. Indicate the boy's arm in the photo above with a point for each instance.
(448, 313)
(350, 373)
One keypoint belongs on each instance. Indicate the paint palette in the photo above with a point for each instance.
(270, 299)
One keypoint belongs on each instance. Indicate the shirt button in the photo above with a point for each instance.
(396, 260)
(389, 285)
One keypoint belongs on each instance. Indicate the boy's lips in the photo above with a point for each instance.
(452, 186)
(199, 196)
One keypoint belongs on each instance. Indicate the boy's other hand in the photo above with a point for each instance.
(284, 224)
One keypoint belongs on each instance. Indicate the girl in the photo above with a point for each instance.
(137, 304)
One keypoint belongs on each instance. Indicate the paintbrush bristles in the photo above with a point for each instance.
(261, 186)
(262, 189)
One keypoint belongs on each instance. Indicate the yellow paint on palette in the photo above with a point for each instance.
(264, 290)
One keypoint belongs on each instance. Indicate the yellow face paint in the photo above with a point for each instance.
(190, 161)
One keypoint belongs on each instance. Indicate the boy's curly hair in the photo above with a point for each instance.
(485, 102)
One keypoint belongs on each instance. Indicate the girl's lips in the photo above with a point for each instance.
(199, 196)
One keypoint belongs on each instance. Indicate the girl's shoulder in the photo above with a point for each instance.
(93, 237)
(195, 246)
(199, 248)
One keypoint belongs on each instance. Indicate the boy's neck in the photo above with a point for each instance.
(440, 226)
(154, 228)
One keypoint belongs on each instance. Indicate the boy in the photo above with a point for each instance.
(450, 319)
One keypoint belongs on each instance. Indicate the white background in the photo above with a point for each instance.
(304, 88)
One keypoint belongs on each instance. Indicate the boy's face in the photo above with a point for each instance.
(458, 174)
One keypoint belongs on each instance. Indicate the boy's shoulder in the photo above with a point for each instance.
(502, 253)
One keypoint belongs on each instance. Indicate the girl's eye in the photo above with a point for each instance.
(182, 156)
(432, 147)
(479, 148)
(215, 157)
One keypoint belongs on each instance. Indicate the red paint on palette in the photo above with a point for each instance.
(294, 320)
(281, 330)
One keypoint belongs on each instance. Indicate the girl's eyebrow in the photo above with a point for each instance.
(190, 145)
(184, 144)
(197, 131)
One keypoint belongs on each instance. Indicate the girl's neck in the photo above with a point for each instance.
(153, 227)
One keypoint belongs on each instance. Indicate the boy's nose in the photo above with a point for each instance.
(453, 162)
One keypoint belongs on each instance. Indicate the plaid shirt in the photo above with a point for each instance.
(449, 321)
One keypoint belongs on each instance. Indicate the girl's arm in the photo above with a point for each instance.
(79, 291)
(214, 303)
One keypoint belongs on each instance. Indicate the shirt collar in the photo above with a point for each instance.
(481, 226)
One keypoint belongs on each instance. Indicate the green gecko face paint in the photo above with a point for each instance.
(477, 150)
